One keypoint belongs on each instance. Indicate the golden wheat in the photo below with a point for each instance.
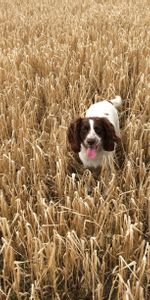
(66, 232)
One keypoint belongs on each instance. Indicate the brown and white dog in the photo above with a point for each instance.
(95, 136)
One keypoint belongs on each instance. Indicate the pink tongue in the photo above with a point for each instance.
(91, 153)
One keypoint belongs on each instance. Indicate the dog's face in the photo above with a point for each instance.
(94, 134)
(91, 135)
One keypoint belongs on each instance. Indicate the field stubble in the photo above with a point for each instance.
(58, 241)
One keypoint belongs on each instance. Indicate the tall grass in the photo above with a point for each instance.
(66, 234)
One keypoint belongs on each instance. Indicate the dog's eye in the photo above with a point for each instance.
(85, 129)
(98, 129)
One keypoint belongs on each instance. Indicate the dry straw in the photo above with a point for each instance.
(66, 232)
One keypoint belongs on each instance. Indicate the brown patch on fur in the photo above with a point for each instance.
(73, 134)
(85, 127)
(110, 136)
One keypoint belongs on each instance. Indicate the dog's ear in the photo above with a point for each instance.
(73, 135)
(110, 137)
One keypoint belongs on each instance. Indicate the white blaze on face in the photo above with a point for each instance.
(92, 132)
(91, 151)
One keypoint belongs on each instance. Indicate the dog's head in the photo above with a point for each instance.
(94, 134)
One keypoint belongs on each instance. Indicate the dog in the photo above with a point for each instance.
(95, 136)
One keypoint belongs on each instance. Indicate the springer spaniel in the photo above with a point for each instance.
(94, 137)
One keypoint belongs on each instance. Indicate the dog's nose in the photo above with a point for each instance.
(91, 141)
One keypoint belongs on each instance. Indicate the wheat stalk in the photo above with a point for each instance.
(67, 232)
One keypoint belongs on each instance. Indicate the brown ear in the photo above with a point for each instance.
(110, 137)
(73, 134)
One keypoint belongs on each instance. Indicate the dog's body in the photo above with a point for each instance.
(94, 137)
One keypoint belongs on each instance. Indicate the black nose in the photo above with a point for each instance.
(91, 142)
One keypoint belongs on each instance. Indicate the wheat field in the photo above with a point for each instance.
(67, 234)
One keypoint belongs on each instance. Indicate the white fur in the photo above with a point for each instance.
(92, 134)
(107, 110)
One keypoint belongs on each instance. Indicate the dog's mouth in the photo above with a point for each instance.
(91, 150)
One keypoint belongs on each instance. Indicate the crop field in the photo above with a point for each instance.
(69, 233)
